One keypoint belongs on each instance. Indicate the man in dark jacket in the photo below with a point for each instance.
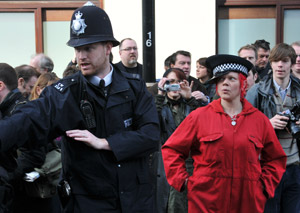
(129, 55)
(109, 119)
(10, 98)
(14, 164)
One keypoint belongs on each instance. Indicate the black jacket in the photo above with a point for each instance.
(136, 70)
(128, 120)
(17, 165)
(197, 85)
(7, 107)
(8, 161)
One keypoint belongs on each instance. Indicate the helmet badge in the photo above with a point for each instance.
(78, 25)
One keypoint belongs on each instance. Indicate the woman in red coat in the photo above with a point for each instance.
(238, 160)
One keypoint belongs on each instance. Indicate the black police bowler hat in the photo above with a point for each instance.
(222, 64)
(90, 24)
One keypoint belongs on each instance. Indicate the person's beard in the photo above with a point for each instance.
(132, 61)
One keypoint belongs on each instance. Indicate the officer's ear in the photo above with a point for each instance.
(108, 46)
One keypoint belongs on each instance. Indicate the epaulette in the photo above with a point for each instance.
(133, 76)
(64, 83)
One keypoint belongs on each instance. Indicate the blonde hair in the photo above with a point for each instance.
(43, 81)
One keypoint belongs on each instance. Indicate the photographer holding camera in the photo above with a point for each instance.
(174, 102)
(278, 96)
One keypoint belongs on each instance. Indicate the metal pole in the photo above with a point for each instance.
(149, 40)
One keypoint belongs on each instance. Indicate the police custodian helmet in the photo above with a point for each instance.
(222, 64)
(90, 24)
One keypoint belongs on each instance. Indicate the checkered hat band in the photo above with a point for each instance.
(230, 67)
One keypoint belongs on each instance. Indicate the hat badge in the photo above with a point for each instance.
(78, 25)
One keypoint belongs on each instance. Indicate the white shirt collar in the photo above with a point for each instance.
(108, 78)
(279, 88)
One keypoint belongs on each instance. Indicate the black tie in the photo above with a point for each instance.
(102, 84)
(102, 87)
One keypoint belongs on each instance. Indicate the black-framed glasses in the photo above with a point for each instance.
(130, 48)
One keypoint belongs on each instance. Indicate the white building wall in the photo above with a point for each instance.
(180, 25)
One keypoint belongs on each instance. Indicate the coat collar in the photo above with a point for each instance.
(119, 82)
(247, 107)
(11, 100)
(266, 86)
(107, 79)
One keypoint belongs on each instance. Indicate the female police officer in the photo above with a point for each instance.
(110, 131)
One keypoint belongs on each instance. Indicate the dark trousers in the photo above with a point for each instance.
(88, 204)
(287, 194)
(23, 203)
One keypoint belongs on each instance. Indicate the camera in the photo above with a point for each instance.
(171, 87)
(293, 115)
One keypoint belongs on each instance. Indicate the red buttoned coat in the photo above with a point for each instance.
(236, 167)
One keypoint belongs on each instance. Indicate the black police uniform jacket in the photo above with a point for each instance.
(127, 119)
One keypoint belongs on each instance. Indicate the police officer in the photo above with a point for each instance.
(109, 120)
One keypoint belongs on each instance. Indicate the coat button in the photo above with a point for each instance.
(119, 165)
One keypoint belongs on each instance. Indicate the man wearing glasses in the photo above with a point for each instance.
(129, 55)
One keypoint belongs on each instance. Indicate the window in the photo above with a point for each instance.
(17, 37)
(240, 26)
(29, 27)
(56, 33)
(242, 22)
(291, 25)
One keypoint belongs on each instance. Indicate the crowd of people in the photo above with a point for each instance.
(226, 140)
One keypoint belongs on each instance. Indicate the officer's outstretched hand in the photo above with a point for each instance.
(88, 138)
